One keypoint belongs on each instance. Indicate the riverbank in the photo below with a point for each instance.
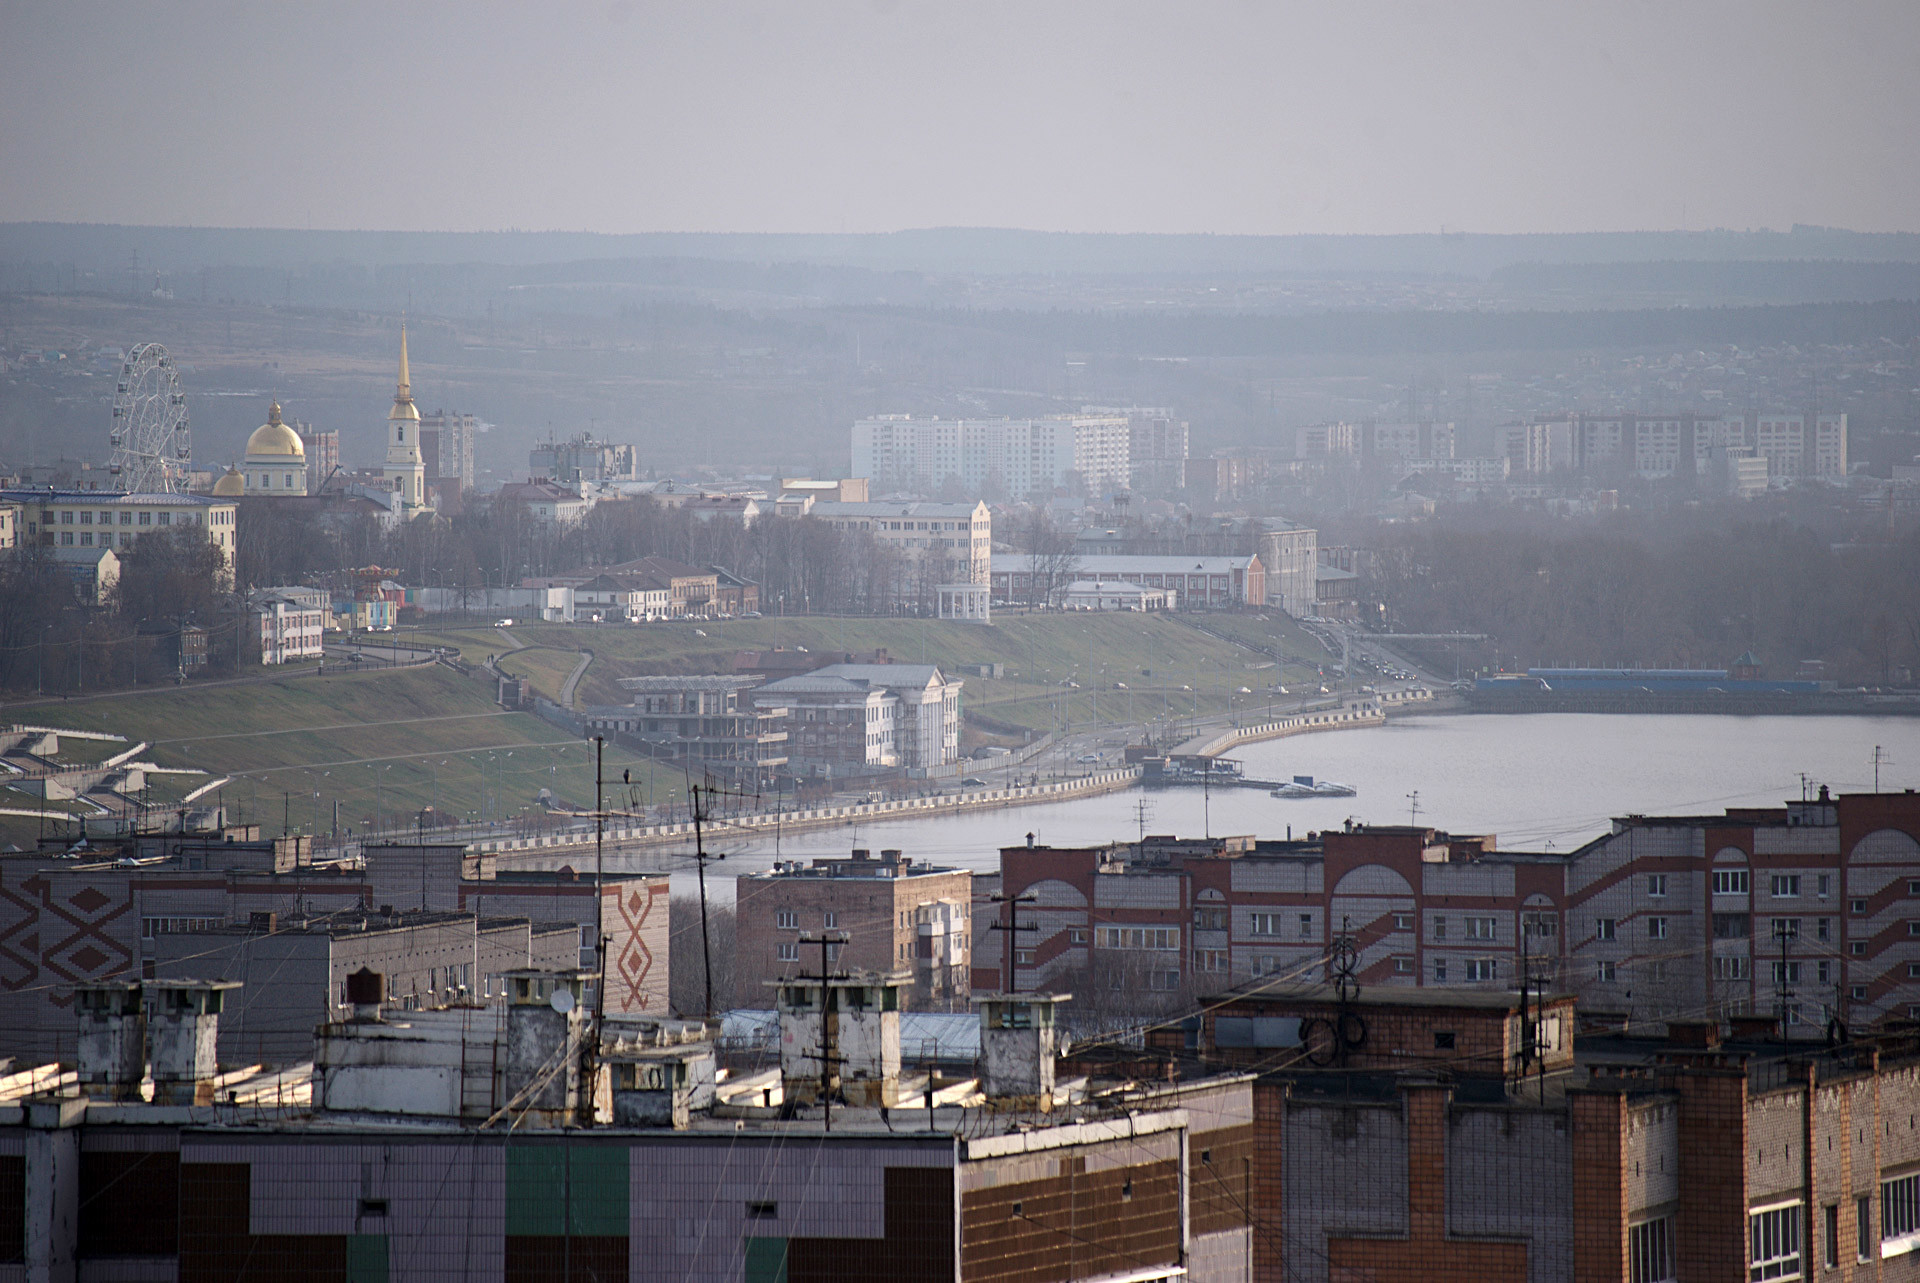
(554, 850)
(564, 848)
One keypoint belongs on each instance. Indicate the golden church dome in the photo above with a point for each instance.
(275, 439)
(231, 485)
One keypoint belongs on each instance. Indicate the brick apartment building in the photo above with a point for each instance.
(1810, 911)
(1466, 1136)
(898, 915)
(69, 921)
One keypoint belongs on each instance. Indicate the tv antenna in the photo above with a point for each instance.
(826, 940)
(1880, 759)
(1413, 809)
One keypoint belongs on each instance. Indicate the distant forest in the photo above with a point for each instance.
(1683, 587)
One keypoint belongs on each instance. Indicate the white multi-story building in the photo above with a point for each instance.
(961, 534)
(1157, 446)
(1012, 457)
(293, 623)
(1408, 441)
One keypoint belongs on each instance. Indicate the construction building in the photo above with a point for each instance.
(896, 915)
(584, 458)
(711, 724)
(885, 714)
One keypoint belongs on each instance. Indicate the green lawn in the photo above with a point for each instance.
(381, 744)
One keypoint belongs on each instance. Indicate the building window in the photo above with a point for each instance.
(1858, 993)
(1899, 1213)
(1077, 935)
(1403, 922)
(1443, 1040)
(1786, 973)
(1210, 919)
(1823, 928)
(1306, 926)
(1403, 966)
(789, 951)
(1605, 928)
(1786, 886)
(1024, 957)
(1480, 969)
(1786, 929)
(1825, 885)
(1729, 881)
(787, 920)
(1732, 926)
(1606, 972)
(1858, 948)
(1266, 924)
(1440, 970)
(1139, 938)
(1656, 884)
(1439, 927)
(1656, 928)
(1730, 969)
(1480, 928)
(1650, 1251)
(1832, 1218)
(1775, 1235)
(1913, 927)
(1863, 1227)
(833, 919)
(1856, 906)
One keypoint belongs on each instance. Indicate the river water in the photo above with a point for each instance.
(1545, 781)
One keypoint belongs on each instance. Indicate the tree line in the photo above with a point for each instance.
(1692, 588)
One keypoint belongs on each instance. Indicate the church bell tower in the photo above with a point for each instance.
(405, 471)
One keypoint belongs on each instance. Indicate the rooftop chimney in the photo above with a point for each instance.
(841, 1039)
(183, 1033)
(545, 1024)
(1018, 1046)
(366, 990)
(112, 1051)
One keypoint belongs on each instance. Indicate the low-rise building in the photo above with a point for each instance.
(1115, 594)
(897, 915)
(546, 501)
(292, 622)
(1200, 583)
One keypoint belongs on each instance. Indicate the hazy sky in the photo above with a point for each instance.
(1331, 116)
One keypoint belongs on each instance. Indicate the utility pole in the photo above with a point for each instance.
(1880, 759)
(826, 939)
(1013, 930)
(590, 1053)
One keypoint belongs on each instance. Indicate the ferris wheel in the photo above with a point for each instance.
(152, 446)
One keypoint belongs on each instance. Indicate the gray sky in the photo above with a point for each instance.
(1331, 116)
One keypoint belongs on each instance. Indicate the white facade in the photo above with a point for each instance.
(1013, 457)
(290, 630)
(959, 532)
(406, 470)
(1114, 594)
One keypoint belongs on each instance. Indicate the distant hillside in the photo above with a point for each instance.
(111, 248)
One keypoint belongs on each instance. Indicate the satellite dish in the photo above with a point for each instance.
(562, 1001)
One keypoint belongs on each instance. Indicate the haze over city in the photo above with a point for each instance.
(851, 117)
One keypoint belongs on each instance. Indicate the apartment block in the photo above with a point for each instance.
(117, 519)
(1809, 913)
(897, 914)
(949, 542)
(1002, 458)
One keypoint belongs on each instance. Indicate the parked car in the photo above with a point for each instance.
(973, 782)
(503, 623)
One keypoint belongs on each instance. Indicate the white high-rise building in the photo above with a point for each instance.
(1008, 457)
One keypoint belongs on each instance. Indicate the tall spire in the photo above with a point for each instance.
(405, 392)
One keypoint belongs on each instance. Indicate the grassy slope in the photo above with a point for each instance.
(1154, 655)
(306, 735)
(316, 734)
